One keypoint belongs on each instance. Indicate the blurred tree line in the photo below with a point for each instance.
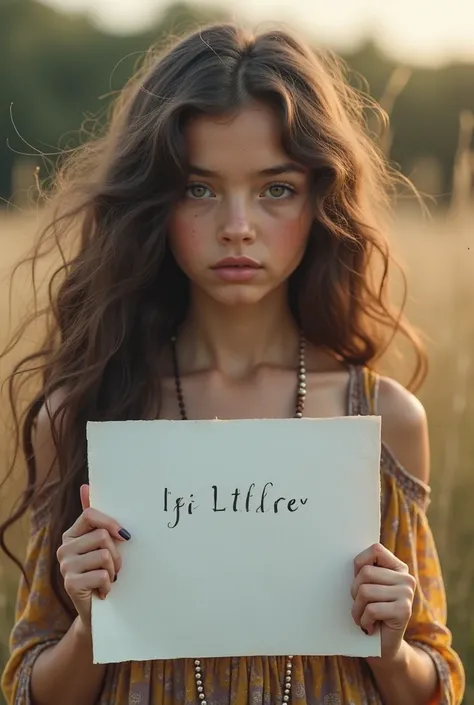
(56, 69)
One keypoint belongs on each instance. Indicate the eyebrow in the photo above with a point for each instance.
(277, 170)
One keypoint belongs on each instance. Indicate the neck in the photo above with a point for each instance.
(236, 340)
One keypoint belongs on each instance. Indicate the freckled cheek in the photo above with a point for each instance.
(186, 240)
(289, 238)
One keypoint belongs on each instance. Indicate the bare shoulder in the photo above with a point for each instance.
(49, 423)
(405, 428)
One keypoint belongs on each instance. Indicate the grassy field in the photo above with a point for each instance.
(439, 257)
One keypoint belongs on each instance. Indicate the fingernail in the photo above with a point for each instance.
(115, 579)
(124, 534)
(365, 631)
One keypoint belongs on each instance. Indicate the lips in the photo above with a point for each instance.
(237, 270)
(237, 263)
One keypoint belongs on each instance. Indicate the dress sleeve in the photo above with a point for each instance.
(41, 620)
(407, 534)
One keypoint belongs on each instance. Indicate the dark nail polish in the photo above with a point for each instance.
(125, 535)
(115, 579)
(365, 631)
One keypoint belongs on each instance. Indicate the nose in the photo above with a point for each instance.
(237, 226)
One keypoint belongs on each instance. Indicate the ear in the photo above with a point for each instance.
(85, 498)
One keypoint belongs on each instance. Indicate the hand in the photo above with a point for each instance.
(88, 557)
(383, 592)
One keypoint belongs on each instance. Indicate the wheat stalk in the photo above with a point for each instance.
(394, 87)
(463, 170)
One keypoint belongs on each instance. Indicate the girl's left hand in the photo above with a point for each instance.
(383, 592)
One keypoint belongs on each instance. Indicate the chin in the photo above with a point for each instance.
(238, 295)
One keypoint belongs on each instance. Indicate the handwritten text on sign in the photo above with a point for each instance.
(238, 501)
(232, 522)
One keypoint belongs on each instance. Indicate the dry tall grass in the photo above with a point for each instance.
(439, 257)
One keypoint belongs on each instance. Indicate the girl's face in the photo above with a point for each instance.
(241, 228)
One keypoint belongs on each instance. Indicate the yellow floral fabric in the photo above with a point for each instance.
(41, 621)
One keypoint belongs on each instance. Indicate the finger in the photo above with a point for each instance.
(91, 519)
(79, 586)
(395, 615)
(378, 576)
(98, 539)
(381, 557)
(369, 594)
(95, 560)
(85, 497)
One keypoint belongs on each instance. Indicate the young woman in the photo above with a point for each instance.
(231, 226)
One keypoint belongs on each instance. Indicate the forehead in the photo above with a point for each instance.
(249, 140)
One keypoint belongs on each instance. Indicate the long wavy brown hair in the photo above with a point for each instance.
(118, 294)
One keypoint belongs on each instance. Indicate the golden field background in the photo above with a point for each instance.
(433, 143)
(438, 255)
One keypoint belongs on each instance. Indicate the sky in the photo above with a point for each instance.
(422, 31)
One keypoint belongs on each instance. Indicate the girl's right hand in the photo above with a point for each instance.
(88, 557)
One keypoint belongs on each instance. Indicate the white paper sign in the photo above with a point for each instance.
(243, 535)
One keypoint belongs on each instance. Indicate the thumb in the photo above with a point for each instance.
(85, 499)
